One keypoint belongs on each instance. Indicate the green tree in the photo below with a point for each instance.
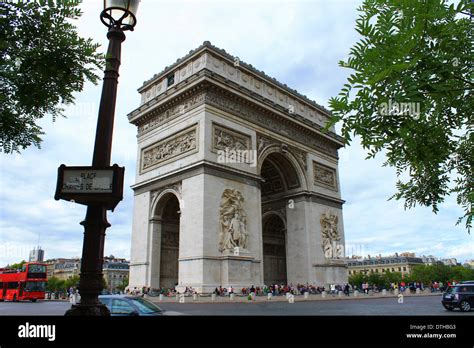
(392, 277)
(17, 265)
(43, 62)
(440, 273)
(357, 279)
(54, 284)
(123, 285)
(72, 282)
(377, 279)
(422, 273)
(410, 96)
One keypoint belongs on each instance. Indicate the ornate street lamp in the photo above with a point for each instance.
(118, 16)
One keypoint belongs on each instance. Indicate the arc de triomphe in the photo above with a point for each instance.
(236, 183)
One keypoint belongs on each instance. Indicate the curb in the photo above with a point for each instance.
(282, 299)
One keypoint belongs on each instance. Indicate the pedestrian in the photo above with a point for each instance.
(346, 289)
(72, 299)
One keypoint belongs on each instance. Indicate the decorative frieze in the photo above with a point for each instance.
(170, 113)
(324, 176)
(172, 147)
(227, 139)
(278, 125)
(242, 109)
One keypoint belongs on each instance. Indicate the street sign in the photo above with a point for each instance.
(91, 185)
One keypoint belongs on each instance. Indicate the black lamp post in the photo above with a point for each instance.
(118, 16)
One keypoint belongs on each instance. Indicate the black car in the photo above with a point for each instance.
(123, 305)
(459, 296)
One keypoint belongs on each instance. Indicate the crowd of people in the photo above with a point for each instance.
(274, 289)
(283, 289)
(158, 291)
(402, 287)
(298, 289)
(73, 295)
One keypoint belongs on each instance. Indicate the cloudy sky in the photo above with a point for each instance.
(297, 42)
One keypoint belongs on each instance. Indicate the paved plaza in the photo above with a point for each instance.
(412, 305)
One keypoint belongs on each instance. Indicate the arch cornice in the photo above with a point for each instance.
(285, 152)
(280, 214)
(158, 195)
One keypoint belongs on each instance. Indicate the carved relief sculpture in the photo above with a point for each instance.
(263, 142)
(227, 139)
(330, 236)
(169, 147)
(170, 113)
(272, 123)
(300, 156)
(233, 221)
(324, 176)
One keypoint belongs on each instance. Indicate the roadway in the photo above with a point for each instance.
(412, 305)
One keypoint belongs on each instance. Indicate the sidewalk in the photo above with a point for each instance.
(283, 298)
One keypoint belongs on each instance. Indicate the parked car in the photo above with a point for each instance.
(459, 296)
(125, 305)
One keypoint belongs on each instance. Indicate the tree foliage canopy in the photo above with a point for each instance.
(18, 265)
(43, 62)
(419, 273)
(410, 95)
(56, 284)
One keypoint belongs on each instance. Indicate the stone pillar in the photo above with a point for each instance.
(139, 258)
(154, 252)
(297, 229)
(201, 264)
(330, 267)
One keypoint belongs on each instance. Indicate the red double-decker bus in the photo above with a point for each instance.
(27, 283)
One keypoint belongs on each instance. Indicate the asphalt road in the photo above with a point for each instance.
(422, 305)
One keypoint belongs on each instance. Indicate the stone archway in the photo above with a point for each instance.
(274, 250)
(165, 254)
(280, 178)
(169, 243)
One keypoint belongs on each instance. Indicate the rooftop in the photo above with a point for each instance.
(250, 67)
